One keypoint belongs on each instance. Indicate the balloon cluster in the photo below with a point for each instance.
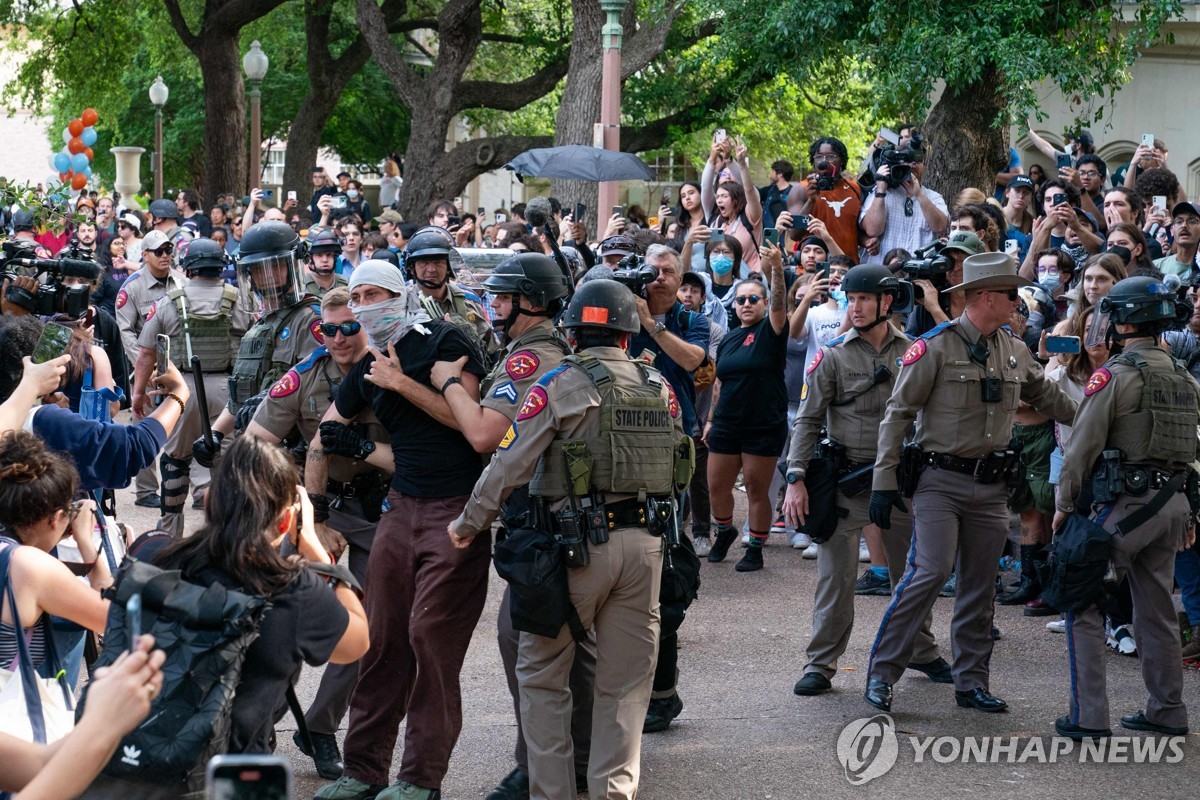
(73, 164)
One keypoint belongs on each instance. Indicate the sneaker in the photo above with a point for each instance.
(752, 560)
(403, 790)
(799, 541)
(661, 712)
(873, 585)
(347, 788)
(324, 753)
(810, 551)
(702, 545)
(1057, 626)
(950, 587)
(864, 555)
(720, 546)
(779, 526)
(1121, 639)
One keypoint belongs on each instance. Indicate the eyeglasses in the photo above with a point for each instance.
(1088, 173)
(72, 512)
(330, 329)
(752, 299)
(1048, 271)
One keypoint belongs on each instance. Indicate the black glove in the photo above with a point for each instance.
(879, 509)
(204, 454)
(344, 440)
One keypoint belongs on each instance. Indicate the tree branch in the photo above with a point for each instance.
(513, 96)
(234, 15)
(477, 156)
(189, 39)
(645, 45)
(373, 23)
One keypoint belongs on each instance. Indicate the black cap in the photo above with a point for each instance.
(1020, 182)
(695, 279)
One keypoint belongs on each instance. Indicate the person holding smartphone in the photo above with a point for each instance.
(734, 205)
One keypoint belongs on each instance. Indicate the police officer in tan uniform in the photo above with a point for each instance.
(323, 250)
(846, 388)
(138, 295)
(617, 590)
(961, 383)
(205, 320)
(1144, 405)
(527, 292)
(346, 495)
(427, 263)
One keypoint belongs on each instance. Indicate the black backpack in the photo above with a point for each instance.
(205, 632)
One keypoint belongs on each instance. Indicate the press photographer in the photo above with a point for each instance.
(901, 212)
(932, 271)
(829, 195)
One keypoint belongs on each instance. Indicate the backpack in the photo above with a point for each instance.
(205, 632)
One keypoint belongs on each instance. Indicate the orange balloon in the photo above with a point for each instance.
(62, 176)
(75, 145)
(78, 180)
(89, 117)
(87, 151)
(76, 126)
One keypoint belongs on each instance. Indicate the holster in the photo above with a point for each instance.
(912, 461)
(372, 488)
(1108, 478)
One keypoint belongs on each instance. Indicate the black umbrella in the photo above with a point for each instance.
(578, 162)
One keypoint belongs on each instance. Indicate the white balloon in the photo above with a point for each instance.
(52, 180)
(67, 136)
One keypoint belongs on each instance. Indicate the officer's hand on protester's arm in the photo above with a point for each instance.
(445, 370)
(459, 542)
(795, 503)
(386, 372)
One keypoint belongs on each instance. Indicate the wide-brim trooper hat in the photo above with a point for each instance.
(989, 271)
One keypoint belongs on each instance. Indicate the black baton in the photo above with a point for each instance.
(202, 399)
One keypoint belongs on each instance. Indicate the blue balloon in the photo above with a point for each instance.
(62, 161)
(78, 162)
(88, 136)
(87, 171)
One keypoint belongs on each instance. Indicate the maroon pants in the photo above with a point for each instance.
(423, 601)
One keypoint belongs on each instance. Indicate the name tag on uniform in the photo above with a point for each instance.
(641, 419)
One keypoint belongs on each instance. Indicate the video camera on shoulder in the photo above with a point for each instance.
(51, 297)
(931, 264)
(900, 161)
(635, 274)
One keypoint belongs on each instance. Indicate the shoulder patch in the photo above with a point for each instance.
(286, 385)
(936, 329)
(510, 436)
(122, 299)
(310, 362)
(816, 362)
(507, 392)
(672, 403)
(521, 364)
(1098, 381)
(914, 352)
(837, 340)
(535, 403)
(285, 334)
(314, 328)
(552, 374)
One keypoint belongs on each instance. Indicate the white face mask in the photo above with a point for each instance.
(352, 193)
(388, 321)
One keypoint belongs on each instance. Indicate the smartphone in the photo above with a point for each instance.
(823, 270)
(580, 212)
(1062, 344)
(268, 194)
(501, 218)
(1063, 160)
(52, 343)
(452, 220)
(133, 619)
(248, 777)
(666, 198)
(1147, 140)
(1057, 199)
(889, 135)
(291, 195)
(720, 135)
(716, 235)
(339, 201)
(480, 212)
(162, 352)
(800, 222)
(651, 222)
(619, 211)
(771, 236)
(1160, 200)
(1011, 247)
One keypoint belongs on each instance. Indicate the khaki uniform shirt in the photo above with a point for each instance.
(137, 297)
(465, 309)
(312, 287)
(204, 297)
(527, 358)
(566, 404)
(843, 369)
(1114, 391)
(300, 399)
(941, 388)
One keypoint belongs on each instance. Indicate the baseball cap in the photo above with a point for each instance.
(132, 221)
(154, 240)
(618, 245)
(389, 215)
(695, 279)
(1087, 217)
(1185, 208)
(1020, 182)
(966, 242)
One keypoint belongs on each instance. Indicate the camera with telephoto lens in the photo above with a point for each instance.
(827, 175)
(51, 297)
(931, 264)
(635, 274)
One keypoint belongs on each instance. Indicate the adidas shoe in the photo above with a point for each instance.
(1121, 640)
(1057, 626)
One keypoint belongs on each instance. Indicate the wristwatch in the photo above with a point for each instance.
(794, 476)
(658, 328)
(449, 382)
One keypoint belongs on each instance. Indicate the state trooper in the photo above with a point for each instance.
(846, 388)
(962, 383)
(288, 327)
(427, 258)
(1137, 421)
(138, 295)
(323, 250)
(202, 319)
(621, 418)
(527, 292)
(347, 486)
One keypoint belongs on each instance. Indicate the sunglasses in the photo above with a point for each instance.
(330, 329)
(1011, 294)
(752, 299)
(165, 250)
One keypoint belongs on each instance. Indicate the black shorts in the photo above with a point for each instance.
(732, 439)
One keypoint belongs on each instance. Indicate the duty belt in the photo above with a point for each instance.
(346, 491)
(966, 466)
(625, 514)
(1141, 479)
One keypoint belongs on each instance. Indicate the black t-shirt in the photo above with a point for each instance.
(750, 365)
(432, 460)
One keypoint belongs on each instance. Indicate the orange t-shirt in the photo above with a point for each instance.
(839, 208)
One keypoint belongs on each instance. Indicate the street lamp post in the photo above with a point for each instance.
(255, 64)
(610, 98)
(158, 96)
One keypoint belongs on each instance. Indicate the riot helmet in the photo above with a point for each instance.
(268, 276)
(205, 258)
(530, 275)
(323, 242)
(429, 243)
(877, 280)
(603, 304)
(164, 209)
(1146, 303)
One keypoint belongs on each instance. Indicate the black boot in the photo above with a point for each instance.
(720, 546)
(1030, 587)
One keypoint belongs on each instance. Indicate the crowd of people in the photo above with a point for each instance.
(892, 379)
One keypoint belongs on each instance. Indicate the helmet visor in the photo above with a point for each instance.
(269, 284)
(1097, 331)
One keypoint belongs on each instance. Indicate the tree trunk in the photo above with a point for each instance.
(966, 145)
(580, 109)
(225, 145)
